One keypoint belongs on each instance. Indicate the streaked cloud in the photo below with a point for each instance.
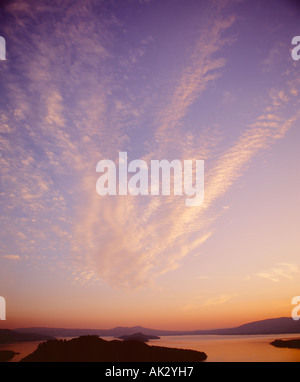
(129, 242)
(280, 272)
(222, 299)
(78, 94)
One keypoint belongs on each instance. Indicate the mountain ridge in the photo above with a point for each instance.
(9, 336)
(281, 325)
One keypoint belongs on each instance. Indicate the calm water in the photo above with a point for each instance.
(235, 348)
(218, 348)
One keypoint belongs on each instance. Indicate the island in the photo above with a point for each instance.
(138, 337)
(292, 344)
(91, 348)
(6, 355)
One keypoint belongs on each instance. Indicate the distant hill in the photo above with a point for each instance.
(282, 325)
(94, 349)
(8, 336)
(115, 332)
(138, 337)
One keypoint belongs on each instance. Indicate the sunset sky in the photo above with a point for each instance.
(184, 79)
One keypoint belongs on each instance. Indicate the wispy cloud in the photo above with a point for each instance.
(74, 100)
(201, 71)
(281, 271)
(222, 299)
(140, 239)
(131, 241)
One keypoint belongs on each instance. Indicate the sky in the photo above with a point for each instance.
(191, 80)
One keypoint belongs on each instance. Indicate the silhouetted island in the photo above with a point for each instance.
(293, 344)
(95, 349)
(138, 337)
(8, 336)
(6, 355)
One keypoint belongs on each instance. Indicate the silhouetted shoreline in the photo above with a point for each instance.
(6, 355)
(95, 349)
(291, 344)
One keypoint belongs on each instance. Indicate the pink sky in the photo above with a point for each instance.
(207, 80)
